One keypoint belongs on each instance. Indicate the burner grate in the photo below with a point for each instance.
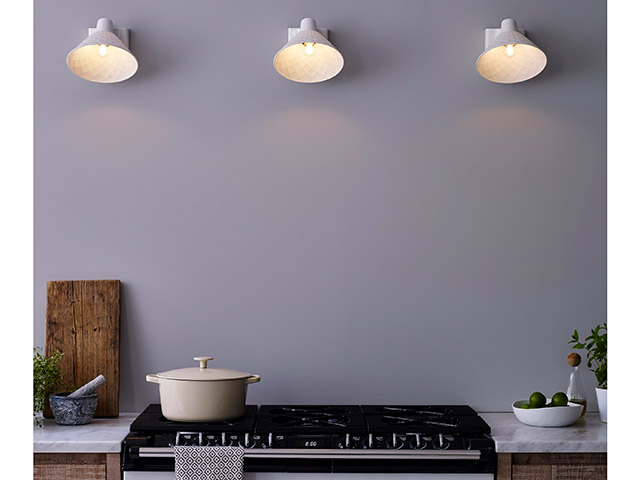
(420, 420)
(314, 418)
(311, 417)
(424, 419)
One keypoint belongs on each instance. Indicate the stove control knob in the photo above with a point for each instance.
(353, 442)
(441, 443)
(248, 441)
(395, 442)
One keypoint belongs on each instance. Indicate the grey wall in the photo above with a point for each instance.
(406, 232)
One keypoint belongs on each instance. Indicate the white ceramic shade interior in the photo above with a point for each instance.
(102, 57)
(510, 57)
(309, 57)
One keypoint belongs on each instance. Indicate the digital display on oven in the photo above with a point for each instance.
(310, 441)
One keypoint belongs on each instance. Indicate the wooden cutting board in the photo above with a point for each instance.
(83, 322)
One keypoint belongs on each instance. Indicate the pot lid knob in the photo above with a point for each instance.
(203, 361)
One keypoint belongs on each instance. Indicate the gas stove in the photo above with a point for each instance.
(452, 441)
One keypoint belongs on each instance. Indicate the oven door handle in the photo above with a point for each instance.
(332, 454)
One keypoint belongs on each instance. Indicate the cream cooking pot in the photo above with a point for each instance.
(202, 394)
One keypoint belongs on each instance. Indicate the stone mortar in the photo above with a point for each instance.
(73, 411)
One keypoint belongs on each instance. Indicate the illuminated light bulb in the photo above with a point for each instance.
(308, 48)
(102, 50)
(510, 51)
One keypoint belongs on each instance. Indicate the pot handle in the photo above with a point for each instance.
(253, 379)
(203, 361)
(153, 378)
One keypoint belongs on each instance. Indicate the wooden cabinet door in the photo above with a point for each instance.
(76, 466)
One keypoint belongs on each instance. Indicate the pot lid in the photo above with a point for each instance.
(203, 374)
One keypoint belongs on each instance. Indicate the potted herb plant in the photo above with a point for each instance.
(46, 375)
(596, 346)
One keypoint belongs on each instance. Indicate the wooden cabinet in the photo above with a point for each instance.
(76, 466)
(552, 466)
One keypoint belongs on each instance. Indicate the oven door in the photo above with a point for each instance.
(326, 476)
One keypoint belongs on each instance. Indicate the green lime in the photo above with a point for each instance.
(537, 400)
(559, 399)
(525, 406)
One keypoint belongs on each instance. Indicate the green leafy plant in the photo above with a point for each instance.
(46, 375)
(596, 347)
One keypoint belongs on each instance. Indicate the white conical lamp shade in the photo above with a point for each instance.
(308, 57)
(102, 57)
(510, 57)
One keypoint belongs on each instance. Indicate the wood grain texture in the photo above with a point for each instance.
(579, 472)
(86, 472)
(113, 466)
(49, 472)
(71, 458)
(560, 458)
(49, 458)
(504, 466)
(531, 472)
(76, 466)
(86, 458)
(83, 322)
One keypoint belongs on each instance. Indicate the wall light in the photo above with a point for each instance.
(308, 56)
(509, 56)
(103, 56)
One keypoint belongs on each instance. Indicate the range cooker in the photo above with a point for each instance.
(332, 442)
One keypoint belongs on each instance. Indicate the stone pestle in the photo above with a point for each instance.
(89, 388)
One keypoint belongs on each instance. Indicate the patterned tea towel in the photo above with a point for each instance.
(209, 463)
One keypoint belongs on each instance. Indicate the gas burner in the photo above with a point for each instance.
(320, 411)
(310, 417)
(311, 421)
(416, 411)
(426, 419)
(419, 420)
(314, 419)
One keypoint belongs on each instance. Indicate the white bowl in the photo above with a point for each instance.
(547, 416)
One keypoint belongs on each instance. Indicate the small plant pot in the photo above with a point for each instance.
(601, 396)
(73, 411)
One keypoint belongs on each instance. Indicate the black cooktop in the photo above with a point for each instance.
(152, 421)
(328, 419)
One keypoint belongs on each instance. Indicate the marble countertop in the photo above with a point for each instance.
(588, 434)
(102, 435)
